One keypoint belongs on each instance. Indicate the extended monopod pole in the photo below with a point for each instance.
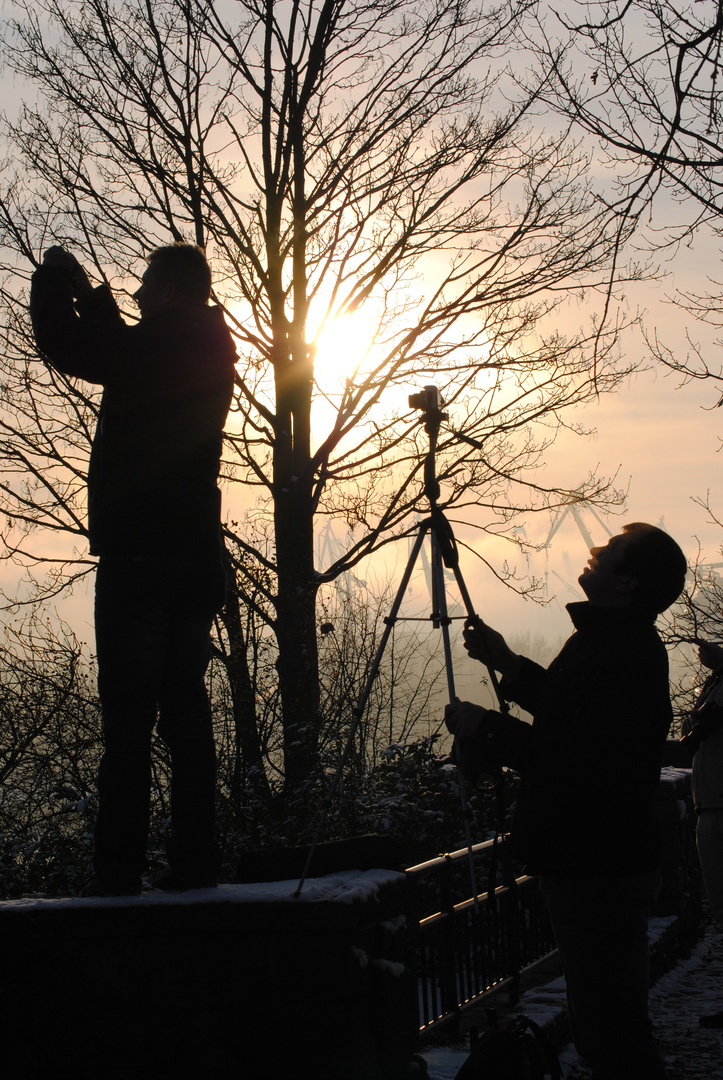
(443, 554)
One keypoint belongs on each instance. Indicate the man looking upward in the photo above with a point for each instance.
(154, 523)
(589, 766)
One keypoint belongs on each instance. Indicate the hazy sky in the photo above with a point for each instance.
(662, 441)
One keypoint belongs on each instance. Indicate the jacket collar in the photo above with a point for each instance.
(587, 616)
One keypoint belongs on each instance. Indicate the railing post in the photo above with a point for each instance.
(449, 995)
(460, 938)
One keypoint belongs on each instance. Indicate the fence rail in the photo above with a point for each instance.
(469, 946)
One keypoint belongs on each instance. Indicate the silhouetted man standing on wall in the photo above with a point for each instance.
(154, 522)
(590, 764)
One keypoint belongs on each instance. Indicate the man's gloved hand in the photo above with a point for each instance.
(463, 719)
(490, 648)
(479, 732)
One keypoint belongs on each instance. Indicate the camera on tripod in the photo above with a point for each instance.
(428, 400)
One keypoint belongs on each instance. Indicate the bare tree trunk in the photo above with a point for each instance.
(293, 476)
(298, 662)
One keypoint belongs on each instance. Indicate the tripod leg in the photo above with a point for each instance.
(439, 597)
(361, 703)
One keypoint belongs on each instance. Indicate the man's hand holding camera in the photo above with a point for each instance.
(58, 256)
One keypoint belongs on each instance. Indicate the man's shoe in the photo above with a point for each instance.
(712, 1020)
(171, 880)
(97, 887)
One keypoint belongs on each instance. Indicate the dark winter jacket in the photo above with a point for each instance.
(590, 761)
(168, 381)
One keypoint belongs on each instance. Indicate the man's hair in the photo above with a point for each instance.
(657, 562)
(185, 266)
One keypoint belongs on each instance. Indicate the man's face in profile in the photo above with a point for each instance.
(155, 293)
(602, 580)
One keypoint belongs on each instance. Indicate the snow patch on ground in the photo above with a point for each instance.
(678, 999)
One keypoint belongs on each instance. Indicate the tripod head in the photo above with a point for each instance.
(429, 400)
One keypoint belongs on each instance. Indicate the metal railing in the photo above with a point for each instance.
(470, 946)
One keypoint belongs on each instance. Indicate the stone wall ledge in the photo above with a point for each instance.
(238, 981)
(347, 899)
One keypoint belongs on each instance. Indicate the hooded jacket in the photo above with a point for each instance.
(167, 388)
